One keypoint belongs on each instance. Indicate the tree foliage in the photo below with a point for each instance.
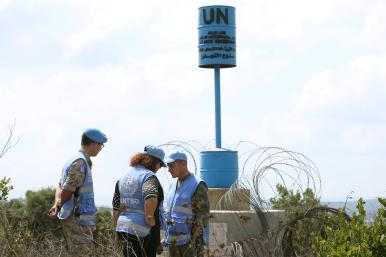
(5, 188)
(355, 238)
(294, 203)
(324, 235)
(25, 226)
(105, 232)
(37, 204)
(296, 228)
(104, 220)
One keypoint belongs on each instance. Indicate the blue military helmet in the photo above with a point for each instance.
(177, 155)
(155, 152)
(95, 135)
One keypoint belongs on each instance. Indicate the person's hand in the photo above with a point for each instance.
(160, 249)
(53, 212)
(150, 220)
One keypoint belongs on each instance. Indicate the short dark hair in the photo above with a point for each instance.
(86, 141)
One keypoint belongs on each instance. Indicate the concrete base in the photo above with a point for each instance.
(227, 227)
(223, 199)
(233, 220)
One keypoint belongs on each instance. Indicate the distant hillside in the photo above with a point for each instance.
(371, 207)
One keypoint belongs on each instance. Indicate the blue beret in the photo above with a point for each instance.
(95, 135)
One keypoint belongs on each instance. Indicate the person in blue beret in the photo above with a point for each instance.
(74, 198)
(136, 202)
(186, 210)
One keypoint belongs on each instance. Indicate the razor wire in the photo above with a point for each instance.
(248, 199)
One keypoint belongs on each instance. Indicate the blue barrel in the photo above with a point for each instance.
(217, 36)
(219, 168)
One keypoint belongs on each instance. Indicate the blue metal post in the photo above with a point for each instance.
(217, 105)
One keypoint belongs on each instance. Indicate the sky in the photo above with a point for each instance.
(310, 77)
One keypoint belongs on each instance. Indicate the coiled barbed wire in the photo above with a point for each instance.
(247, 203)
(261, 169)
(265, 167)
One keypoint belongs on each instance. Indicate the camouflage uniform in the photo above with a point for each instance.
(79, 239)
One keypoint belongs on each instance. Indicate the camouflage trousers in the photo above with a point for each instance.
(187, 250)
(79, 239)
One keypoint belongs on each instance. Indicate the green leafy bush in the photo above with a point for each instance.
(355, 238)
(37, 205)
(292, 202)
(5, 188)
(26, 230)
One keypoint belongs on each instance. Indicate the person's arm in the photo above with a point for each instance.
(58, 191)
(61, 196)
(65, 195)
(116, 204)
(74, 180)
(115, 217)
(200, 208)
(150, 206)
(55, 208)
(150, 194)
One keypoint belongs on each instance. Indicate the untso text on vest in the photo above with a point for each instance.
(178, 211)
(82, 205)
(132, 217)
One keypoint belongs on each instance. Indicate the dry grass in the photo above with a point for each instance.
(12, 245)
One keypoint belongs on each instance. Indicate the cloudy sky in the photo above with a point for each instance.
(310, 77)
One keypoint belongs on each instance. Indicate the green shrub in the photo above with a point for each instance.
(37, 205)
(355, 238)
(5, 188)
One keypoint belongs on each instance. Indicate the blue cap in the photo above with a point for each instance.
(178, 155)
(95, 135)
(155, 152)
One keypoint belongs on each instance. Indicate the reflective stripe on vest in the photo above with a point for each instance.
(86, 190)
(86, 218)
(136, 229)
(185, 210)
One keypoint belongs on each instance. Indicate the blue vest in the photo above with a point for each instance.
(86, 204)
(178, 215)
(132, 216)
